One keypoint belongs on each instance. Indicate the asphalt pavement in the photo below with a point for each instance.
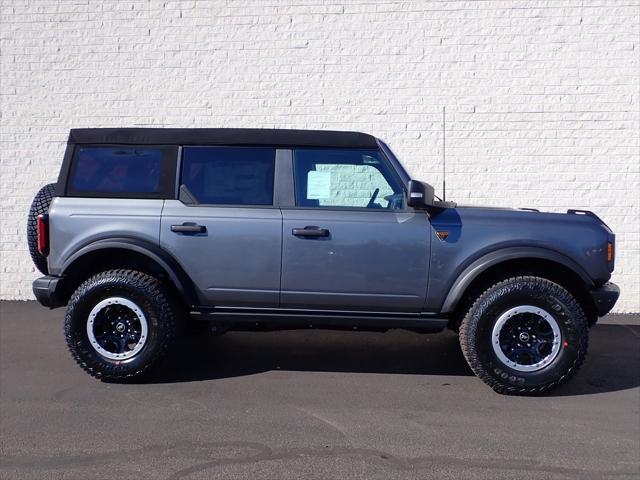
(311, 404)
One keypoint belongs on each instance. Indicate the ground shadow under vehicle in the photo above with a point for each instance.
(613, 362)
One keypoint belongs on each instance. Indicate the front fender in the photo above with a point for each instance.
(480, 265)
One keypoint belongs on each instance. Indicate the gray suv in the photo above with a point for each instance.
(150, 230)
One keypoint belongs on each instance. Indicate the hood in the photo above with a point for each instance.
(576, 234)
(576, 216)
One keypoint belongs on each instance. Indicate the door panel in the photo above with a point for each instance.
(231, 253)
(375, 260)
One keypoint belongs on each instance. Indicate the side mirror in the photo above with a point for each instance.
(421, 194)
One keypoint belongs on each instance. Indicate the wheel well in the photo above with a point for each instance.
(539, 267)
(105, 259)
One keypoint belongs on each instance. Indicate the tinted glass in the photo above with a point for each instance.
(117, 170)
(345, 178)
(229, 176)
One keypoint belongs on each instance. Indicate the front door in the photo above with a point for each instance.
(224, 230)
(350, 242)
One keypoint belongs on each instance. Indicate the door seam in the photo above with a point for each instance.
(281, 256)
(160, 223)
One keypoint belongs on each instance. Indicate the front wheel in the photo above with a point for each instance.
(524, 335)
(119, 324)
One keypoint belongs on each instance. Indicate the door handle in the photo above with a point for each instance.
(188, 228)
(310, 232)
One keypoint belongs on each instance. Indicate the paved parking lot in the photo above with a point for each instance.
(311, 404)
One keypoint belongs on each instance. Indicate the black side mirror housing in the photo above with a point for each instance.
(420, 194)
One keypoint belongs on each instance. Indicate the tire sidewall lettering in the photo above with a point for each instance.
(507, 295)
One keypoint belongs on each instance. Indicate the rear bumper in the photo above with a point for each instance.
(49, 291)
(605, 297)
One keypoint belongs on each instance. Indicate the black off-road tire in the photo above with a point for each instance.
(40, 205)
(476, 335)
(145, 291)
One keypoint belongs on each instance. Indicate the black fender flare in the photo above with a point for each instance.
(480, 265)
(154, 252)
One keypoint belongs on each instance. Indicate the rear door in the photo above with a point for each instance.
(224, 230)
(350, 242)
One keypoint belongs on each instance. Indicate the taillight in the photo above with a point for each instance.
(43, 234)
(610, 252)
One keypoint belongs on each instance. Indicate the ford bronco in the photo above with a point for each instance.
(148, 230)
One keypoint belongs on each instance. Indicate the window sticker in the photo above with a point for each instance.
(318, 185)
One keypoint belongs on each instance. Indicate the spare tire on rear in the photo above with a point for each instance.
(40, 205)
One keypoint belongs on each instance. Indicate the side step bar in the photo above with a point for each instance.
(319, 318)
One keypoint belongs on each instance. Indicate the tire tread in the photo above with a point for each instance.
(468, 329)
(40, 205)
(150, 287)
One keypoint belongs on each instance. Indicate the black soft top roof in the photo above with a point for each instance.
(221, 136)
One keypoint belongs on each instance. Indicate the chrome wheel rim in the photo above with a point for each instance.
(117, 328)
(526, 338)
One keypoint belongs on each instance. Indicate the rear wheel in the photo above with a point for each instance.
(524, 335)
(39, 206)
(119, 324)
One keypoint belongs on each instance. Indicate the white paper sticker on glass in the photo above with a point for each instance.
(318, 185)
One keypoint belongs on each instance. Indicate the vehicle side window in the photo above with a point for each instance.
(118, 171)
(345, 178)
(229, 176)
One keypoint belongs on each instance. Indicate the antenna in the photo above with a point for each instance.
(444, 170)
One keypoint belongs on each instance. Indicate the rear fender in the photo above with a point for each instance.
(154, 253)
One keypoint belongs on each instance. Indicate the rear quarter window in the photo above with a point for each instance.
(122, 171)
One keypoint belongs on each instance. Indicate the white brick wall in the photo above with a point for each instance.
(542, 96)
